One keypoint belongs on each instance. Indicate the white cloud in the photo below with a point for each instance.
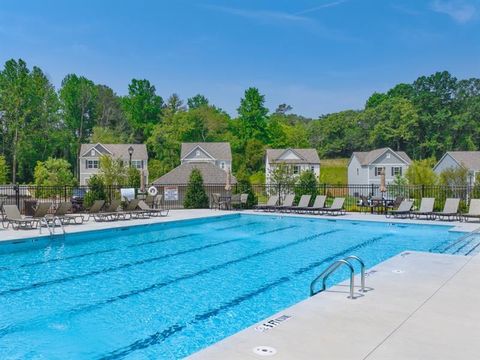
(263, 15)
(320, 7)
(459, 10)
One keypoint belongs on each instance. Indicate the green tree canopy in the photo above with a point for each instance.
(195, 196)
(252, 116)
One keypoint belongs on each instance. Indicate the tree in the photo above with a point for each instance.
(133, 177)
(142, 108)
(307, 184)
(245, 187)
(3, 170)
(420, 172)
(281, 176)
(174, 105)
(106, 135)
(96, 191)
(197, 101)
(78, 100)
(454, 177)
(252, 116)
(51, 176)
(112, 171)
(195, 196)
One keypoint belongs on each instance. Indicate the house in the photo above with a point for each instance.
(89, 161)
(469, 160)
(365, 168)
(213, 159)
(297, 160)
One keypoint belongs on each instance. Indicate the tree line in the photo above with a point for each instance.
(432, 115)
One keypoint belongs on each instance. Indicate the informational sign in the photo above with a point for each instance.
(170, 193)
(127, 194)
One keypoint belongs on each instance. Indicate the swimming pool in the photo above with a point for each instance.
(167, 290)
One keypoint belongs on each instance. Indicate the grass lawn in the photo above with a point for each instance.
(333, 171)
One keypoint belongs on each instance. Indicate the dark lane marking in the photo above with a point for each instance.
(160, 336)
(41, 284)
(238, 225)
(162, 240)
(278, 229)
(90, 307)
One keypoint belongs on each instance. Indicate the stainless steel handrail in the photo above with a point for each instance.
(45, 221)
(61, 224)
(328, 271)
(362, 270)
(333, 267)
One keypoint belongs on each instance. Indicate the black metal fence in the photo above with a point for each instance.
(172, 196)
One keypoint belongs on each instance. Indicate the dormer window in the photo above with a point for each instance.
(388, 156)
(92, 152)
(197, 153)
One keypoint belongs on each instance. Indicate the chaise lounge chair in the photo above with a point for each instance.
(14, 218)
(473, 210)
(336, 208)
(426, 209)
(95, 208)
(151, 212)
(270, 205)
(450, 210)
(317, 206)
(302, 203)
(112, 213)
(63, 213)
(286, 204)
(403, 210)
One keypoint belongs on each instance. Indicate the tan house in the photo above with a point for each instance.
(297, 160)
(89, 161)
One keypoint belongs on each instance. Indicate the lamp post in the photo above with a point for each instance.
(130, 153)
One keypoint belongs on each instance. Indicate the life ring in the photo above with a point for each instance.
(152, 190)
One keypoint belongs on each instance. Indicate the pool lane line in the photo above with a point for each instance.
(41, 284)
(90, 307)
(37, 263)
(160, 336)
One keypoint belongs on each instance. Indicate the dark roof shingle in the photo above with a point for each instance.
(211, 174)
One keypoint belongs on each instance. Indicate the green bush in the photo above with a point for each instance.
(133, 177)
(96, 191)
(306, 185)
(195, 196)
(51, 176)
(245, 187)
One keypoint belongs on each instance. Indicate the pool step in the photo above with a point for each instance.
(468, 245)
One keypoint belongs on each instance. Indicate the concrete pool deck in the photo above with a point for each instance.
(422, 306)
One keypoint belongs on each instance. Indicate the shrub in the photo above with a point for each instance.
(96, 191)
(133, 177)
(245, 187)
(195, 196)
(306, 185)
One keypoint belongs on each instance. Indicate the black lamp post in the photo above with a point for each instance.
(130, 153)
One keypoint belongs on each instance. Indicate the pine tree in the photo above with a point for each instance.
(195, 196)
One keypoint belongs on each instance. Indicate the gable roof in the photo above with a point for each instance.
(468, 159)
(306, 156)
(119, 150)
(211, 174)
(217, 150)
(368, 157)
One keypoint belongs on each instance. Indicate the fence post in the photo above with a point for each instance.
(373, 190)
(325, 189)
(423, 190)
(65, 193)
(17, 195)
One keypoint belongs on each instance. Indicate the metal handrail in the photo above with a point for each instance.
(61, 224)
(328, 271)
(336, 265)
(362, 270)
(45, 221)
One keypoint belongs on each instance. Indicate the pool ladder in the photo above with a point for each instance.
(51, 229)
(334, 267)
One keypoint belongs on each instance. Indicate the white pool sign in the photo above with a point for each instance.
(170, 193)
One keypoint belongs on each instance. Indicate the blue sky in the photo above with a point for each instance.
(318, 56)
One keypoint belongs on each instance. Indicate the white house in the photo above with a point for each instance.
(297, 160)
(469, 160)
(364, 168)
(89, 161)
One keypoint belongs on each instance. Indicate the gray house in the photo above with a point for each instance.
(297, 160)
(364, 168)
(469, 160)
(90, 154)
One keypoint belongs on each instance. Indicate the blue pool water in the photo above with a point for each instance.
(167, 290)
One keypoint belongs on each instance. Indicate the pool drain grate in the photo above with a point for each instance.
(264, 351)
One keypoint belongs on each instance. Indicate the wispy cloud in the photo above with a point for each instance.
(263, 15)
(320, 7)
(459, 10)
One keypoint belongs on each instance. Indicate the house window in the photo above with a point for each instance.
(222, 165)
(396, 171)
(92, 164)
(388, 156)
(197, 153)
(358, 171)
(378, 171)
(312, 168)
(296, 169)
(137, 164)
(92, 153)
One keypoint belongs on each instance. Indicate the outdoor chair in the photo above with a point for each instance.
(473, 210)
(215, 201)
(287, 203)
(426, 209)
(151, 212)
(336, 208)
(270, 205)
(403, 210)
(317, 206)
(95, 208)
(450, 210)
(302, 203)
(14, 218)
(366, 205)
(62, 212)
(112, 213)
